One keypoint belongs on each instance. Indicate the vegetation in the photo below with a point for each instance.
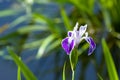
(40, 26)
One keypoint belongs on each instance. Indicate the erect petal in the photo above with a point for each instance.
(92, 45)
(82, 30)
(69, 33)
(76, 27)
(68, 45)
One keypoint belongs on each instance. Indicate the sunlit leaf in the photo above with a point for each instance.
(18, 20)
(18, 73)
(63, 76)
(26, 29)
(33, 44)
(47, 20)
(109, 62)
(25, 70)
(7, 12)
(43, 46)
(65, 19)
(53, 45)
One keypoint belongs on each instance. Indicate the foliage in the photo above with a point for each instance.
(43, 29)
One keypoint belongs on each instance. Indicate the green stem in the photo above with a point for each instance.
(73, 74)
(71, 62)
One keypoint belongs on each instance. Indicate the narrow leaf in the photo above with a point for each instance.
(109, 62)
(100, 78)
(27, 29)
(18, 73)
(24, 69)
(7, 12)
(63, 76)
(17, 21)
(53, 45)
(44, 45)
(65, 19)
(83, 48)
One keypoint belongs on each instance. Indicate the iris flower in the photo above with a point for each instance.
(75, 37)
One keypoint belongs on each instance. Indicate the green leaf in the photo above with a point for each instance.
(53, 45)
(109, 62)
(43, 46)
(65, 19)
(63, 76)
(100, 78)
(19, 73)
(24, 69)
(19, 20)
(83, 48)
(107, 19)
(7, 12)
(27, 29)
(33, 44)
(47, 20)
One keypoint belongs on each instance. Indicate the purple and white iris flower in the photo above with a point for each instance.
(75, 37)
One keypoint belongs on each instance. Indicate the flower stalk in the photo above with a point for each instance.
(70, 45)
(73, 61)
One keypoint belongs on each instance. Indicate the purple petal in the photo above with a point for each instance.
(92, 45)
(69, 33)
(68, 46)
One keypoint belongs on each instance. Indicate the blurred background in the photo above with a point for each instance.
(34, 30)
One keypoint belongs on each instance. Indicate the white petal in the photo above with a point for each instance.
(76, 27)
(82, 30)
(86, 34)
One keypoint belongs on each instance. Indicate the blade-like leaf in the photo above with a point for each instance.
(24, 69)
(33, 44)
(109, 62)
(53, 45)
(83, 48)
(51, 25)
(18, 73)
(63, 76)
(18, 20)
(65, 19)
(44, 45)
(27, 29)
(100, 78)
(7, 12)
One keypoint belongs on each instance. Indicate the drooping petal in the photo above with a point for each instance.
(92, 45)
(69, 33)
(82, 30)
(68, 45)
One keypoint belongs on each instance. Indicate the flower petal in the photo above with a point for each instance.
(69, 33)
(82, 30)
(92, 45)
(76, 27)
(67, 45)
